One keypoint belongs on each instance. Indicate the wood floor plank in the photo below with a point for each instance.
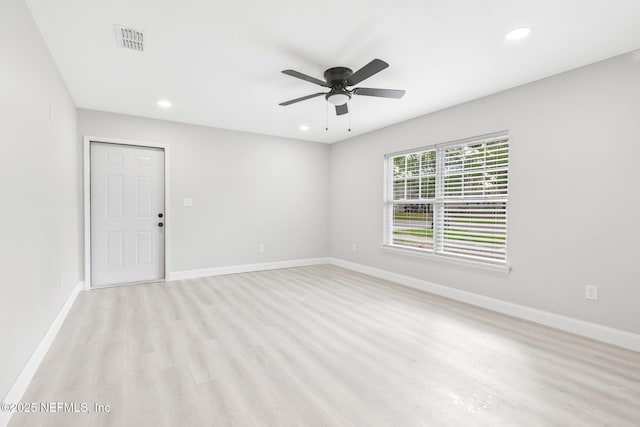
(321, 346)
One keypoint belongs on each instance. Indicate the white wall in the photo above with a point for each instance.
(40, 223)
(247, 189)
(574, 198)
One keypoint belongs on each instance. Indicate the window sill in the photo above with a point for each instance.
(500, 268)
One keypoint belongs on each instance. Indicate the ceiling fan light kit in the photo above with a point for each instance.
(338, 98)
(338, 80)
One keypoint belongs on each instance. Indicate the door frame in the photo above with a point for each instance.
(87, 201)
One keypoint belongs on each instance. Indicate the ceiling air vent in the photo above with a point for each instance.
(130, 38)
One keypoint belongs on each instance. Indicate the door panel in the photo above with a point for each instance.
(144, 247)
(127, 194)
(143, 195)
(114, 249)
(114, 195)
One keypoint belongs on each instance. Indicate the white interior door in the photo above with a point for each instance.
(127, 214)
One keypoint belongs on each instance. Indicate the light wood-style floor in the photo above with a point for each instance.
(321, 346)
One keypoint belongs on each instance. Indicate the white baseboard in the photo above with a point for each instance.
(22, 382)
(594, 331)
(245, 268)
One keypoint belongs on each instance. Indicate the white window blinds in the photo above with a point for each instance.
(450, 199)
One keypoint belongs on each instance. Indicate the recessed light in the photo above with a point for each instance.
(164, 103)
(304, 128)
(518, 33)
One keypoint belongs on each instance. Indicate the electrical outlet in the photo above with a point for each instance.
(591, 292)
(261, 247)
(354, 247)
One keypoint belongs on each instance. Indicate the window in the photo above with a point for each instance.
(450, 199)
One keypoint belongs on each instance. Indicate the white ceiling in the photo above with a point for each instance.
(219, 62)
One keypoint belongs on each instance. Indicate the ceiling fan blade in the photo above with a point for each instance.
(299, 75)
(367, 71)
(341, 109)
(293, 101)
(383, 93)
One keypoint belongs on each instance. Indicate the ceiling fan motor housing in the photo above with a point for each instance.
(337, 76)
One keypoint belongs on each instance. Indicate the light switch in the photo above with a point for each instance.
(188, 202)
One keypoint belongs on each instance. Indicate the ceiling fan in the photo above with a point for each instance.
(338, 79)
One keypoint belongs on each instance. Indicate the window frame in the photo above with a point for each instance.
(436, 252)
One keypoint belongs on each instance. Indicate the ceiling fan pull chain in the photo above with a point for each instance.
(349, 105)
(326, 120)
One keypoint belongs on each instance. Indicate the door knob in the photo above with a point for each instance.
(160, 224)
